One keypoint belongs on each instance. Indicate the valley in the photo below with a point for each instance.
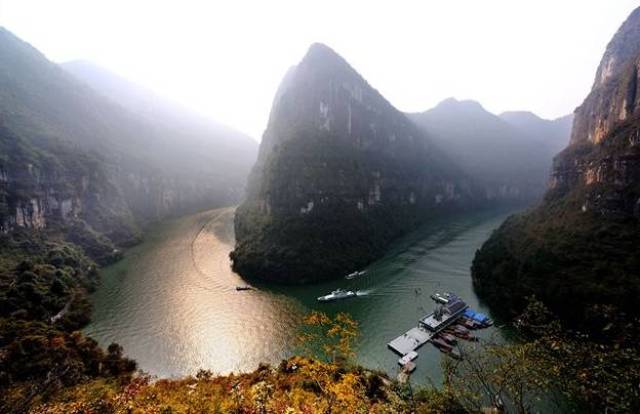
(155, 260)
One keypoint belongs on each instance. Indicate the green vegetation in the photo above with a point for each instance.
(550, 368)
(281, 243)
(44, 282)
(296, 248)
(580, 249)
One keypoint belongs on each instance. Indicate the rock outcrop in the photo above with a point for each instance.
(581, 247)
(340, 173)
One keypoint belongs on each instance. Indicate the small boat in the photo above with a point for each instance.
(449, 338)
(469, 324)
(407, 358)
(336, 295)
(479, 318)
(460, 332)
(244, 287)
(457, 328)
(355, 274)
(441, 344)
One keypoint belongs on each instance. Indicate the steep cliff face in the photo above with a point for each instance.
(508, 156)
(340, 173)
(72, 156)
(613, 97)
(604, 140)
(581, 247)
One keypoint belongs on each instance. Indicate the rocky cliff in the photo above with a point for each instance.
(72, 157)
(340, 173)
(581, 247)
(604, 149)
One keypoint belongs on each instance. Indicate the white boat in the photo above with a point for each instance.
(407, 358)
(355, 274)
(336, 295)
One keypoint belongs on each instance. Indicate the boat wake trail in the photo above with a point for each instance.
(364, 292)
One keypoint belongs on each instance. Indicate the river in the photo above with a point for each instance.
(172, 304)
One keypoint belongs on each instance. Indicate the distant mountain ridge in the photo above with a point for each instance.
(508, 155)
(554, 134)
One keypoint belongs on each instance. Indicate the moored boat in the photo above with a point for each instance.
(441, 344)
(479, 318)
(460, 332)
(407, 358)
(469, 323)
(449, 338)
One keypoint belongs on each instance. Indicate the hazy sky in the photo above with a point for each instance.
(226, 58)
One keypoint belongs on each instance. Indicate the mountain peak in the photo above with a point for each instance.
(623, 47)
(320, 48)
(467, 104)
(335, 151)
(321, 57)
(521, 116)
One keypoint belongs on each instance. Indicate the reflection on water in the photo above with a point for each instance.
(172, 301)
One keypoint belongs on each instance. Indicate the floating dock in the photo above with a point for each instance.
(411, 340)
(429, 326)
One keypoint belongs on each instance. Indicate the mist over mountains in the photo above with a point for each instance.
(80, 149)
(139, 157)
(508, 155)
(221, 145)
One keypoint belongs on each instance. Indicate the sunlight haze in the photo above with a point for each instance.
(226, 59)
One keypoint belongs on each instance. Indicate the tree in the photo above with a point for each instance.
(331, 340)
(550, 365)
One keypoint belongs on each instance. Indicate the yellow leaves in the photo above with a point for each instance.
(310, 387)
(327, 338)
(316, 318)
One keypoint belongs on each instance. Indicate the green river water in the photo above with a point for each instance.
(171, 302)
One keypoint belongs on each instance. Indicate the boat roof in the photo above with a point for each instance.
(475, 315)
